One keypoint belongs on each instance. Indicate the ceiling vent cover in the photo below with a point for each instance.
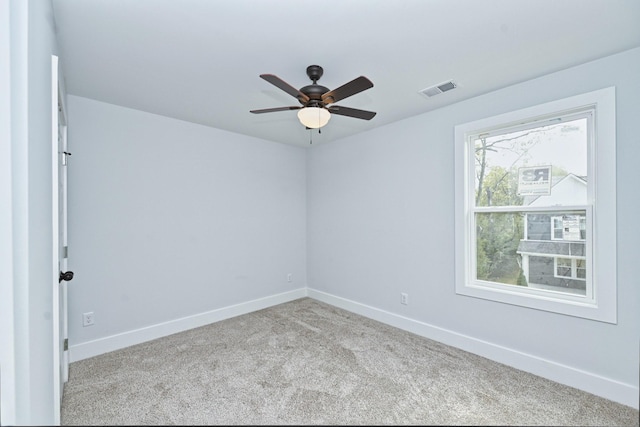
(438, 89)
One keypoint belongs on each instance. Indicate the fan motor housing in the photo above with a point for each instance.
(314, 91)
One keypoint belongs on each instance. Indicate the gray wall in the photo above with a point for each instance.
(168, 219)
(381, 222)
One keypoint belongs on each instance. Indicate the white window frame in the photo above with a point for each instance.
(600, 303)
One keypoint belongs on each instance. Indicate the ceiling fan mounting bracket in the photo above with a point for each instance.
(314, 72)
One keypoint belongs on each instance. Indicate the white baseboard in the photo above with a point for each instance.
(616, 391)
(116, 342)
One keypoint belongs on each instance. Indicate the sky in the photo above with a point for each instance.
(562, 145)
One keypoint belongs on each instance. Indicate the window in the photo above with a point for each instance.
(557, 228)
(569, 228)
(571, 268)
(527, 232)
(563, 267)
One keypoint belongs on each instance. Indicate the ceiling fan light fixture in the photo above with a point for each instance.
(314, 117)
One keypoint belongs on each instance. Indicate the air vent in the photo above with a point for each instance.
(438, 89)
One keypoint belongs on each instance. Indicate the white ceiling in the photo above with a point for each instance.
(200, 60)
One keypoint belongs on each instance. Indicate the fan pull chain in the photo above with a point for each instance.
(311, 135)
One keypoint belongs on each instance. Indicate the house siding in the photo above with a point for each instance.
(541, 271)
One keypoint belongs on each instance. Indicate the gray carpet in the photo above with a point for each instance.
(309, 363)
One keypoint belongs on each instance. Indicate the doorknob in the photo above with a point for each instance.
(65, 276)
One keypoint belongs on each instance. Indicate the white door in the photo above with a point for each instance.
(60, 163)
(63, 246)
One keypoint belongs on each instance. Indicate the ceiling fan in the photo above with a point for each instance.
(316, 100)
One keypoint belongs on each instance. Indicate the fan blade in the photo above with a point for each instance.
(272, 110)
(351, 112)
(347, 89)
(278, 82)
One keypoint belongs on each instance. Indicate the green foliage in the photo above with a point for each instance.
(500, 188)
(483, 263)
(499, 233)
(498, 237)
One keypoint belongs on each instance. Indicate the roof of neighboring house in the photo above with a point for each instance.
(556, 181)
(544, 247)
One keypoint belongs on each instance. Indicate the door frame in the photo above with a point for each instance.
(7, 331)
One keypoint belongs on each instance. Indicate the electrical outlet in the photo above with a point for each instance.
(87, 319)
(404, 298)
(289, 277)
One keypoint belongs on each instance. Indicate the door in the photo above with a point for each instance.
(63, 246)
(60, 162)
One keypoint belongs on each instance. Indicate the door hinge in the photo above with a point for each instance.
(66, 344)
(65, 155)
(65, 252)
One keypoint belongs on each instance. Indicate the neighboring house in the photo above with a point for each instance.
(553, 249)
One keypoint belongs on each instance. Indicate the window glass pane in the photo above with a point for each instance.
(505, 256)
(497, 241)
(540, 166)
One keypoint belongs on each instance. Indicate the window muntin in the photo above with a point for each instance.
(537, 190)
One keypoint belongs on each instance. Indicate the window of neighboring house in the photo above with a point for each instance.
(563, 267)
(527, 232)
(567, 228)
(557, 229)
(571, 268)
